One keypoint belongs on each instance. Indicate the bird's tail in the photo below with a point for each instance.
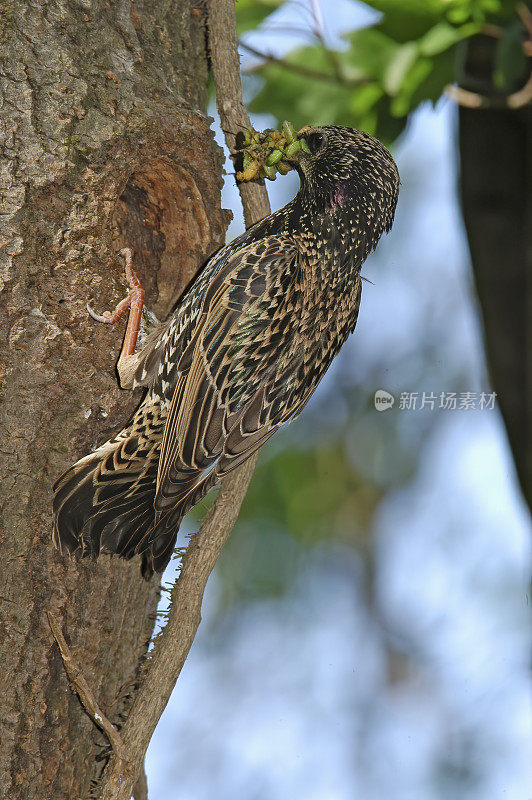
(159, 541)
(105, 502)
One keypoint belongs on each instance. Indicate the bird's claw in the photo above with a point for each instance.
(105, 317)
(134, 302)
(134, 299)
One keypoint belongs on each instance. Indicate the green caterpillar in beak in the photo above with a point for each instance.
(266, 153)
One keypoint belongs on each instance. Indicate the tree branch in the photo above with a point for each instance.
(468, 99)
(140, 790)
(223, 44)
(174, 643)
(335, 77)
(84, 692)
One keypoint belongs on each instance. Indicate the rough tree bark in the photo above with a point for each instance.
(104, 144)
(173, 645)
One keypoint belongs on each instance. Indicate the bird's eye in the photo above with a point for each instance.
(315, 142)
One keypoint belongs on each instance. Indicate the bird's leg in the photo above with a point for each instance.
(134, 302)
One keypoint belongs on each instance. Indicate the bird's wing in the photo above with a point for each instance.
(227, 400)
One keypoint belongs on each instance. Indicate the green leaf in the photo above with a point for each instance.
(443, 35)
(250, 13)
(441, 73)
(489, 6)
(370, 53)
(419, 8)
(407, 20)
(510, 60)
(403, 60)
(402, 103)
(460, 11)
(459, 15)
(363, 99)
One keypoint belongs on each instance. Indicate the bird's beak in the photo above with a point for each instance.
(294, 160)
(299, 156)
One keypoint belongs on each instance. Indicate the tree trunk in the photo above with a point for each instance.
(496, 186)
(105, 144)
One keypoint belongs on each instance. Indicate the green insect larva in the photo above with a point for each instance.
(274, 157)
(249, 173)
(289, 132)
(269, 172)
(265, 153)
(292, 149)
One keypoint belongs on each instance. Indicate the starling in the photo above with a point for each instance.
(240, 356)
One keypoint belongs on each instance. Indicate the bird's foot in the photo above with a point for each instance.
(134, 302)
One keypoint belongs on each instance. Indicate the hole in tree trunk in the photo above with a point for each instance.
(161, 216)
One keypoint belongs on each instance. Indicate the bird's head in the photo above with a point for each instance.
(346, 168)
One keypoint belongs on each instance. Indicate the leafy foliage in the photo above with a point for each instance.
(299, 498)
(324, 484)
(408, 56)
(250, 13)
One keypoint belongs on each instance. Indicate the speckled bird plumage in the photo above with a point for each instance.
(240, 356)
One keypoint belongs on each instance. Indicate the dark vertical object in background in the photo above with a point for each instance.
(106, 144)
(496, 185)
